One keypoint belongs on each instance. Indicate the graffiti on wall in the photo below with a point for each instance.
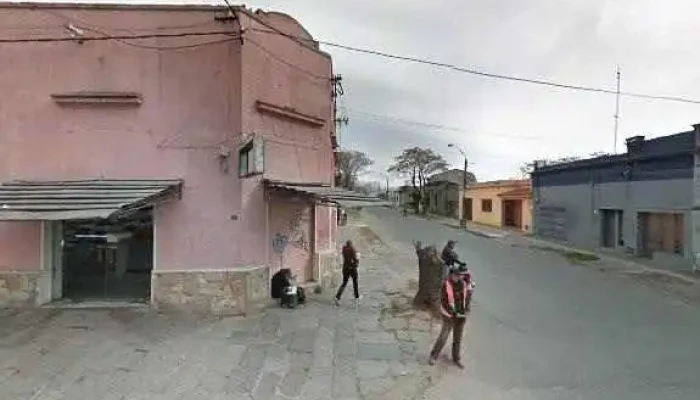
(295, 232)
(298, 228)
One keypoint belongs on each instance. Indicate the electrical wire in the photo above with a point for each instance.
(104, 31)
(409, 122)
(378, 53)
(285, 62)
(114, 37)
(132, 30)
(181, 47)
(483, 73)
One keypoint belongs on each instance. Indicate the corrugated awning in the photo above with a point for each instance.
(343, 197)
(85, 199)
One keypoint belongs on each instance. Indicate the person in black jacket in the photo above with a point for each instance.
(350, 264)
(282, 287)
(450, 258)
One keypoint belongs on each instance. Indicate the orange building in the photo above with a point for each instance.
(502, 204)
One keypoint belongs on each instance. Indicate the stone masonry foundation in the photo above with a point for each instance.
(223, 292)
(328, 274)
(18, 288)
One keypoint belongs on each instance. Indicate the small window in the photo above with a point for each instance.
(245, 160)
(486, 205)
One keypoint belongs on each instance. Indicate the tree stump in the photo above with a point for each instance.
(429, 278)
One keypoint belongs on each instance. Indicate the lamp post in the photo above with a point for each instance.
(463, 220)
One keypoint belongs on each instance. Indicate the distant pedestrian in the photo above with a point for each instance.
(450, 258)
(453, 307)
(351, 261)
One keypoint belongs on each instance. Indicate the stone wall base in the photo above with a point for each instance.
(222, 292)
(18, 289)
(329, 274)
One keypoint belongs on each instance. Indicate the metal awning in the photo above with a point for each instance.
(85, 199)
(343, 197)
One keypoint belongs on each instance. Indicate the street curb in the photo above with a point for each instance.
(610, 258)
(449, 223)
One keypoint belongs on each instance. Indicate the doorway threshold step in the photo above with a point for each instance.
(97, 304)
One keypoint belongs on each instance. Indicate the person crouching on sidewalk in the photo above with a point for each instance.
(453, 307)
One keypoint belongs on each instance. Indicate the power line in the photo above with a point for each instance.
(358, 50)
(439, 126)
(204, 22)
(472, 71)
(114, 37)
(285, 62)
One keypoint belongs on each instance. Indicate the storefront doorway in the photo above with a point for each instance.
(106, 260)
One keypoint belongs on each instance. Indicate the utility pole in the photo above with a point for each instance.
(338, 121)
(617, 108)
(463, 220)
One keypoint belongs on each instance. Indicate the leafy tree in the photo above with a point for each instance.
(418, 164)
(350, 164)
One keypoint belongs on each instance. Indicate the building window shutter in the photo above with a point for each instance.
(251, 158)
(258, 156)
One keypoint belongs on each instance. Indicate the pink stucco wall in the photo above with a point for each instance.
(18, 246)
(194, 100)
(279, 71)
(324, 226)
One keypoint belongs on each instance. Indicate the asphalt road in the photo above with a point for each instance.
(542, 328)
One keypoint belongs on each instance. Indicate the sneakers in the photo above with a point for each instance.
(432, 360)
(459, 364)
(336, 302)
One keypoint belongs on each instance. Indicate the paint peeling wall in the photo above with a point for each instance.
(324, 225)
(190, 106)
(194, 101)
(291, 236)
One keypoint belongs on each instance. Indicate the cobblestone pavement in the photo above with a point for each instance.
(316, 352)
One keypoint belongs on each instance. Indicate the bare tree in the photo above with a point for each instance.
(350, 164)
(418, 164)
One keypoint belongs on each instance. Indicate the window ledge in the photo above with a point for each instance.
(289, 113)
(126, 98)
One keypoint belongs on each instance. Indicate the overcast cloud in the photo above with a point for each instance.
(503, 124)
(507, 123)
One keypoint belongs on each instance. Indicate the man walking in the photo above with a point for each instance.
(453, 307)
(350, 264)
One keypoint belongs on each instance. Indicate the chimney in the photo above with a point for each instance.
(634, 144)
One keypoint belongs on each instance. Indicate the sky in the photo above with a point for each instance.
(391, 104)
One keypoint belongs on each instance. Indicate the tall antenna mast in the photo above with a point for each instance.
(617, 108)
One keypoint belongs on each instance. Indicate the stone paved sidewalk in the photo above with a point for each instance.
(319, 352)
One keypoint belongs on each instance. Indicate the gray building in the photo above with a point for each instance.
(442, 198)
(644, 202)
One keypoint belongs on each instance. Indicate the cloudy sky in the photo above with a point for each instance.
(502, 124)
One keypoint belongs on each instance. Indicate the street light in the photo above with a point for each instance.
(463, 220)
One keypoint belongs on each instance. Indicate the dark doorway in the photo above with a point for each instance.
(467, 212)
(611, 228)
(108, 259)
(513, 213)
